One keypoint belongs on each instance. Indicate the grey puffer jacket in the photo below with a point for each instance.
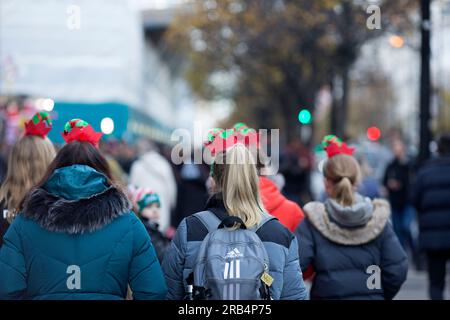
(279, 242)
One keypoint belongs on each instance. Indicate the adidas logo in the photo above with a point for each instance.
(233, 254)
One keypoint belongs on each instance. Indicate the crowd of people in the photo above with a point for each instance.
(81, 223)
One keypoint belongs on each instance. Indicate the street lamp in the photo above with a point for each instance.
(397, 41)
(304, 116)
(107, 125)
(373, 133)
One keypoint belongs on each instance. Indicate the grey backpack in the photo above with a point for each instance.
(232, 264)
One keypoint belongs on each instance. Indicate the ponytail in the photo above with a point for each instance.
(239, 181)
(343, 192)
(344, 172)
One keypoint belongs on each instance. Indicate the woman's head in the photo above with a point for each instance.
(82, 153)
(235, 175)
(27, 163)
(342, 173)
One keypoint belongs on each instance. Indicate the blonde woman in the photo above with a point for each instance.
(27, 163)
(235, 186)
(348, 240)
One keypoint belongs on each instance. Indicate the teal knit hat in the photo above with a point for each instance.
(144, 197)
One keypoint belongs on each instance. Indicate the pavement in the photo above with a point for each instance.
(415, 286)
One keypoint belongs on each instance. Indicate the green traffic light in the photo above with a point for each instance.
(305, 116)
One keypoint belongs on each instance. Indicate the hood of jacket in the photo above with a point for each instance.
(353, 216)
(75, 200)
(270, 195)
(336, 232)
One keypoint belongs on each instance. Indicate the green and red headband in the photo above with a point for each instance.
(334, 146)
(39, 125)
(220, 140)
(80, 130)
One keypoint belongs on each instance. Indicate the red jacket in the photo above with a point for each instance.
(288, 212)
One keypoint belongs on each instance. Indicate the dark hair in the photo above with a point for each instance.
(444, 144)
(78, 152)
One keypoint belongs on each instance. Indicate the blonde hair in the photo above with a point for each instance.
(235, 173)
(344, 172)
(27, 164)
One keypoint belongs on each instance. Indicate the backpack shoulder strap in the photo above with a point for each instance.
(265, 218)
(212, 222)
(208, 219)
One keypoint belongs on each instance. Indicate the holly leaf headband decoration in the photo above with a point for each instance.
(220, 139)
(334, 146)
(80, 130)
(39, 125)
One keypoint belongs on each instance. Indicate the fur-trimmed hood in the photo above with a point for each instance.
(320, 219)
(75, 200)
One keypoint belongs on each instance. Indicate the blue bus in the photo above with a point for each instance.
(115, 120)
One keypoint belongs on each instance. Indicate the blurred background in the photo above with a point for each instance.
(372, 72)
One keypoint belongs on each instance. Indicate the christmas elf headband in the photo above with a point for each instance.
(80, 130)
(334, 146)
(220, 140)
(39, 125)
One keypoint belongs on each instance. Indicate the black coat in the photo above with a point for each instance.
(431, 197)
(160, 242)
(191, 198)
(342, 257)
(401, 172)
